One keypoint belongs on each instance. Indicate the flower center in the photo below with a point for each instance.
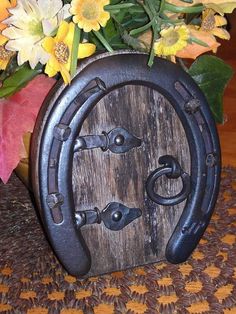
(171, 38)
(62, 52)
(36, 28)
(208, 23)
(90, 10)
(5, 54)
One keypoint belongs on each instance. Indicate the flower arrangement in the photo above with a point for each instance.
(42, 40)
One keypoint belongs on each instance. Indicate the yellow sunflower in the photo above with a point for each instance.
(172, 40)
(212, 23)
(59, 48)
(90, 14)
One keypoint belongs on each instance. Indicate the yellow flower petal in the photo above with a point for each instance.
(3, 64)
(50, 69)
(48, 44)
(65, 75)
(86, 50)
(227, 7)
(215, 8)
(62, 31)
(220, 20)
(104, 17)
(105, 2)
(221, 33)
(70, 35)
(88, 27)
(3, 40)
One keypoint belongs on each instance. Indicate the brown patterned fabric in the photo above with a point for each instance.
(33, 282)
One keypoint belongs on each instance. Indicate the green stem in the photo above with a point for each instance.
(141, 29)
(103, 41)
(187, 1)
(181, 62)
(137, 10)
(147, 10)
(74, 52)
(198, 41)
(155, 28)
(167, 20)
(162, 7)
(178, 9)
(151, 57)
(118, 6)
(151, 7)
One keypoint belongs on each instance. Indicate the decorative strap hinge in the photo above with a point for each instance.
(115, 216)
(118, 141)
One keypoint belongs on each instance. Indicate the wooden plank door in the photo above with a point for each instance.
(102, 177)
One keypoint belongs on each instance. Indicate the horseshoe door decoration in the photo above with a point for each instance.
(125, 164)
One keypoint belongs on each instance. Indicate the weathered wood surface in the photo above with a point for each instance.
(102, 177)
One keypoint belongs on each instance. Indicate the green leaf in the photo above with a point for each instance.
(109, 31)
(212, 75)
(18, 80)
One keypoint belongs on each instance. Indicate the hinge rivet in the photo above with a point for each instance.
(55, 199)
(117, 216)
(62, 132)
(192, 106)
(211, 160)
(119, 140)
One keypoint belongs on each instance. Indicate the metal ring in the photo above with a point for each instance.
(167, 201)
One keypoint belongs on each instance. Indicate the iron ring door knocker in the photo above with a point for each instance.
(172, 169)
(57, 132)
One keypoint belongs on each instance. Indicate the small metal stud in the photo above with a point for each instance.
(211, 160)
(119, 140)
(117, 216)
(55, 199)
(52, 163)
(192, 106)
(62, 132)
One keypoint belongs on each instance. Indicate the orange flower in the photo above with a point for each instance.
(5, 5)
(212, 23)
(193, 50)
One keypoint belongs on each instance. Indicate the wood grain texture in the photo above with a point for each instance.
(103, 177)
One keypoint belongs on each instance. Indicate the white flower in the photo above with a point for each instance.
(30, 22)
